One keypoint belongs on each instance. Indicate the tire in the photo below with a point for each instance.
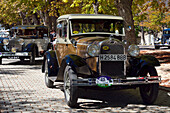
(70, 91)
(0, 61)
(149, 92)
(32, 57)
(48, 82)
(22, 59)
(157, 47)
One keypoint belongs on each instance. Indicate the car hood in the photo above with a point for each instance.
(93, 39)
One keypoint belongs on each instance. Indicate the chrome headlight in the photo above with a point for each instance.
(5, 41)
(93, 50)
(133, 50)
(21, 41)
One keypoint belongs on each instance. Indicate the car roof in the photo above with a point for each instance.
(28, 27)
(167, 29)
(89, 16)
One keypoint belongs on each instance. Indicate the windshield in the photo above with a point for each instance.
(166, 32)
(104, 26)
(32, 33)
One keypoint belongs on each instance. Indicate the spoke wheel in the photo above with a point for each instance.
(48, 82)
(70, 91)
(149, 92)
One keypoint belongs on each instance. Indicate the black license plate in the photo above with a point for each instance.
(112, 57)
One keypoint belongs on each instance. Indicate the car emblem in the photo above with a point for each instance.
(105, 48)
(13, 50)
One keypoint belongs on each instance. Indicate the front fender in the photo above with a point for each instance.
(29, 47)
(145, 62)
(53, 67)
(77, 63)
(149, 60)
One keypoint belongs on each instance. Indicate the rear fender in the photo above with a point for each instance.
(78, 65)
(53, 67)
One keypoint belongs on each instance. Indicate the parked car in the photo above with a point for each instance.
(90, 53)
(164, 41)
(28, 41)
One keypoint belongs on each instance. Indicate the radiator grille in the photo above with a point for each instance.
(14, 43)
(115, 69)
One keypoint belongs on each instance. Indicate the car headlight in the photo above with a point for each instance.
(21, 41)
(133, 50)
(5, 41)
(93, 50)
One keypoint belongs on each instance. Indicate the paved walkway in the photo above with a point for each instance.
(22, 89)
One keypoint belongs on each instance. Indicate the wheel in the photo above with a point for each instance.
(157, 47)
(32, 57)
(0, 60)
(70, 91)
(22, 59)
(149, 92)
(48, 82)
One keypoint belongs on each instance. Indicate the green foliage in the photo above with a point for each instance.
(152, 14)
(104, 6)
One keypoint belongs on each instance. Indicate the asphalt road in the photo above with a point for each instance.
(22, 89)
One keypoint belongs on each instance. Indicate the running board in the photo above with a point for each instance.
(53, 78)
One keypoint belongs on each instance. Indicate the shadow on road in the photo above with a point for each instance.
(98, 99)
(25, 62)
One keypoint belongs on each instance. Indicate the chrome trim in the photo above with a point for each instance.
(127, 81)
(6, 54)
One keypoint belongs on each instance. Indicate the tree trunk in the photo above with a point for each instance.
(143, 36)
(125, 11)
(96, 6)
(50, 23)
(35, 19)
(42, 16)
(46, 18)
(54, 19)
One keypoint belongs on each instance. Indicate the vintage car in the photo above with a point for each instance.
(164, 41)
(26, 41)
(90, 53)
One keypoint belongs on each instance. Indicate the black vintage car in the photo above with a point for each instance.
(26, 41)
(89, 53)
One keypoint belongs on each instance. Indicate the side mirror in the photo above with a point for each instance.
(74, 42)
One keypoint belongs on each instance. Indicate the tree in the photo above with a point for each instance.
(124, 8)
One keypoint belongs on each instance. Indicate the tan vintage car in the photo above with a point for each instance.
(89, 52)
(26, 42)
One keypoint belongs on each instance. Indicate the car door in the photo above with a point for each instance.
(61, 41)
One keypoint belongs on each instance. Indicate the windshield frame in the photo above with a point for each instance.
(98, 32)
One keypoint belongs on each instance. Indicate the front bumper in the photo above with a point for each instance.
(14, 55)
(116, 82)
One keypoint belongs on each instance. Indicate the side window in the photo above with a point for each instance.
(62, 29)
(59, 30)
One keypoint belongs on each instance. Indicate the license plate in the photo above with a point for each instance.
(13, 57)
(112, 57)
